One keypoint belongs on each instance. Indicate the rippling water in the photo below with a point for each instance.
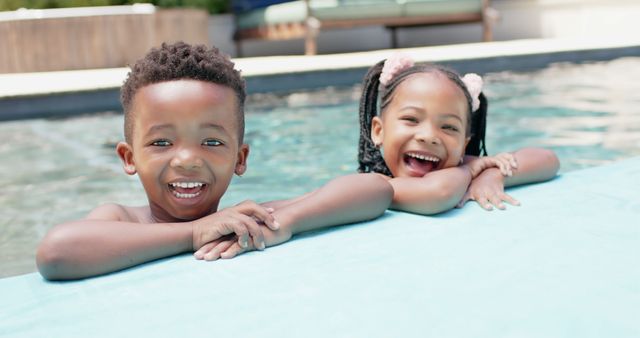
(57, 170)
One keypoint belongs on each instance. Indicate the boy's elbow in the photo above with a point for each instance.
(50, 258)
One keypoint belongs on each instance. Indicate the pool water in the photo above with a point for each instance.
(58, 170)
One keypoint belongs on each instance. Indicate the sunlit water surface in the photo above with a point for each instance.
(58, 170)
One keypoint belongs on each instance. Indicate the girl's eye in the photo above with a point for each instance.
(161, 143)
(212, 143)
(450, 127)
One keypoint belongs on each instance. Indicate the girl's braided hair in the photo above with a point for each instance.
(369, 156)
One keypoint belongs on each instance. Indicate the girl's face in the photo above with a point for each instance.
(423, 128)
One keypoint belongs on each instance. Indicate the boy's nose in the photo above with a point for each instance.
(186, 159)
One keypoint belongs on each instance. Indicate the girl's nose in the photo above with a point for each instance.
(186, 159)
(427, 135)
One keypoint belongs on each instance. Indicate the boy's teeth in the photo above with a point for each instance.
(186, 185)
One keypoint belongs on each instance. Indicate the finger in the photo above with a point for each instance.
(199, 254)
(507, 198)
(254, 231)
(497, 202)
(484, 203)
(218, 249)
(234, 225)
(232, 251)
(513, 161)
(504, 167)
(262, 214)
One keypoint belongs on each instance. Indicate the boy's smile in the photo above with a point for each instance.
(185, 147)
(424, 126)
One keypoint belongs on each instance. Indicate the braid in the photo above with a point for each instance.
(369, 157)
(477, 145)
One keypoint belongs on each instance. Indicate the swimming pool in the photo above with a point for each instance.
(57, 170)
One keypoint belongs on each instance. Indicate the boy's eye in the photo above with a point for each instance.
(161, 143)
(212, 143)
(409, 119)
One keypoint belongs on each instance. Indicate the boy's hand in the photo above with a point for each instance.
(242, 220)
(506, 162)
(488, 190)
(228, 247)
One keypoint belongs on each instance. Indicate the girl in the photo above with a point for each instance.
(430, 118)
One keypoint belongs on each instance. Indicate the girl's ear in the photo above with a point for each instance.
(466, 143)
(241, 163)
(377, 133)
(125, 152)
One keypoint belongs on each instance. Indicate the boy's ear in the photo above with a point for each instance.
(241, 163)
(466, 142)
(377, 133)
(125, 152)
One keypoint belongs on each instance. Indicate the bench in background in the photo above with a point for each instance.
(280, 20)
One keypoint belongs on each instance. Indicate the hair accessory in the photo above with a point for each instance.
(474, 84)
(394, 65)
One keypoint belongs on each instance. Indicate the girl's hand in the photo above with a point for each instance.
(488, 190)
(506, 162)
(242, 220)
(228, 247)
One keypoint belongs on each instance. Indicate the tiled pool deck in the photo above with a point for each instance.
(71, 92)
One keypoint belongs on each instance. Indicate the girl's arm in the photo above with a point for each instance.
(346, 199)
(534, 165)
(433, 193)
(110, 239)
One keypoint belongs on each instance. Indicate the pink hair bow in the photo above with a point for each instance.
(394, 65)
(474, 86)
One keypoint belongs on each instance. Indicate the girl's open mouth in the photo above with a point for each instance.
(420, 164)
(187, 189)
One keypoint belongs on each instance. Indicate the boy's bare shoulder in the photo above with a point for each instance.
(120, 213)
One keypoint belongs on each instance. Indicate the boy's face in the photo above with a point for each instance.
(185, 147)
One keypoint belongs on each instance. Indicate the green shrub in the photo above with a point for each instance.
(213, 6)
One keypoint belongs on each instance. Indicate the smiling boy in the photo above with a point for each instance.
(184, 127)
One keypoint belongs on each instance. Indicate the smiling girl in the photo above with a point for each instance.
(428, 136)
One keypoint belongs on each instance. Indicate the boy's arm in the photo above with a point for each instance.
(109, 239)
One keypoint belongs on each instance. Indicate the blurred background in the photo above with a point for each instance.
(49, 35)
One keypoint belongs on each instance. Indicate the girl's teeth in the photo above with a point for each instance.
(425, 158)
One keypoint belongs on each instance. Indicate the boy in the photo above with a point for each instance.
(184, 127)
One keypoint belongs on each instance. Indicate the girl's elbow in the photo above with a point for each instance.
(383, 190)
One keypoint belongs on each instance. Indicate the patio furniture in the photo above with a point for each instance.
(280, 20)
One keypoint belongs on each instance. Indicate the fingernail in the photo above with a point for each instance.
(270, 209)
(276, 225)
(197, 255)
(224, 255)
(262, 246)
(244, 244)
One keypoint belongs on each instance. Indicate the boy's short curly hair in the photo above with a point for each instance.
(181, 61)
